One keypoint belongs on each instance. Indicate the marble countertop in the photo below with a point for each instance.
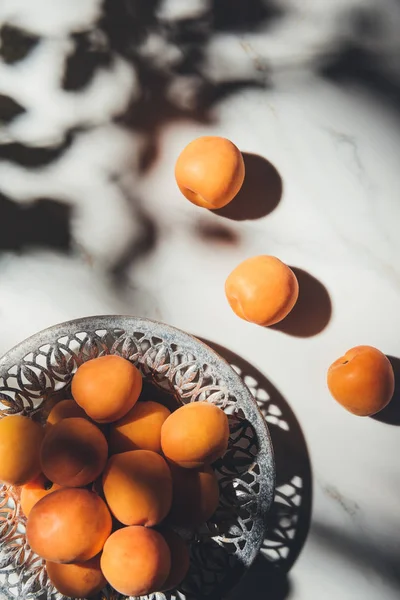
(336, 222)
(322, 194)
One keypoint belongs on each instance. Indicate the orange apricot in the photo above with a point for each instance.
(136, 561)
(180, 560)
(195, 435)
(35, 490)
(362, 380)
(137, 486)
(195, 496)
(69, 525)
(210, 171)
(77, 580)
(262, 290)
(65, 409)
(107, 387)
(139, 429)
(20, 442)
(74, 452)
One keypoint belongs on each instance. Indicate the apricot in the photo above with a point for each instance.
(65, 409)
(139, 429)
(77, 580)
(262, 290)
(136, 561)
(180, 560)
(210, 171)
(107, 387)
(33, 491)
(362, 380)
(195, 496)
(68, 526)
(137, 486)
(20, 441)
(74, 452)
(195, 435)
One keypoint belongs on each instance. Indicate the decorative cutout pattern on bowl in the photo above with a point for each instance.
(37, 372)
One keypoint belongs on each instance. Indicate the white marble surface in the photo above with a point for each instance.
(338, 220)
(336, 150)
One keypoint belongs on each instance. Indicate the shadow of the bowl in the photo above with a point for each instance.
(288, 521)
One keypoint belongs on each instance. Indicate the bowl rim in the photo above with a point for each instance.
(232, 379)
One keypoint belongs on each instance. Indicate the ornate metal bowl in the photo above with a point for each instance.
(38, 372)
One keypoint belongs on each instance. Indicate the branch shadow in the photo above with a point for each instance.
(360, 66)
(391, 413)
(312, 311)
(366, 56)
(174, 82)
(168, 52)
(9, 109)
(260, 194)
(44, 223)
(15, 43)
(289, 519)
(236, 15)
(142, 246)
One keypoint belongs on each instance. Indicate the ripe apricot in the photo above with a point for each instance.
(195, 496)
(136, 561)
(194, 435)
(20, 441)
(107, 387)
(210, 171)
(262, 290)
(69, 525)
(137, 486)
(65, 409)
(362, 380)
(74, 452)
(33, 491)
(180, 560)
(77, 580)
(139, 429)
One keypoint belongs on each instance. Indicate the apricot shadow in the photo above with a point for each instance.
(260, 194)
(391, 413)
(312, 311)
(289, 519)
(216, 233)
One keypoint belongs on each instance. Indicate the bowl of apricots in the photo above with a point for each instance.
(134, 462)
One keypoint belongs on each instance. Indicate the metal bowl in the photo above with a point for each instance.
(37, 373)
